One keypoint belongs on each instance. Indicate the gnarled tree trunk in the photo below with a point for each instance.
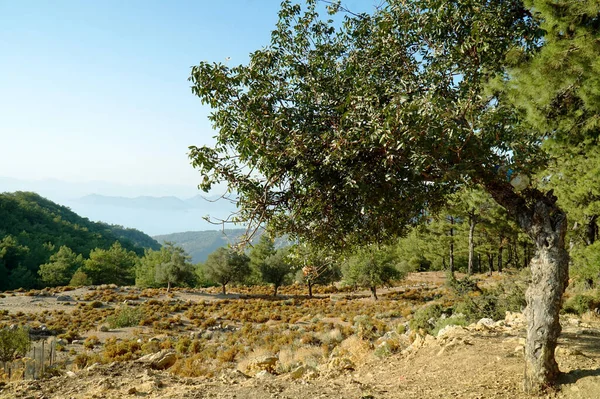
(546, 224)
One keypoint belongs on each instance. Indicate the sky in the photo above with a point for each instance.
(98, 90)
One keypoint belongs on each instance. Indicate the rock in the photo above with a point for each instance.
(104, 328)
(514, 318)
(132, 391)
(233, 376)
(262, 363)
(71, 374)
(263, 374)
(94, 367)
(160, 360)
(519, 349)
(64, 298)
(304, 371)
(486, 322)
(451, 331)
(340, 364)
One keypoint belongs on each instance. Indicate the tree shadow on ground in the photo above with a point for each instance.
(587, 344)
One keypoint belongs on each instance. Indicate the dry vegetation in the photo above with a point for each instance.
(250, 332)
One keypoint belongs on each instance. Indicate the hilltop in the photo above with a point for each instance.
(32, 228)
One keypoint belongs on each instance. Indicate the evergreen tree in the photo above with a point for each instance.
(115, 265)
(175, 267)
(225, 266)
(61, 267)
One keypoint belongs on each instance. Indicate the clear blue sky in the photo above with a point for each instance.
(98, 90)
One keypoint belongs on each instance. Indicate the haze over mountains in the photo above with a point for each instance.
(155, 210)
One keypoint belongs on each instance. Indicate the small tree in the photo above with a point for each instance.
(61, 267)
(277, 269)
(316, 265)
(80, 278)
(225, 265)
(176, 269)
(371, 267)
(13, 343)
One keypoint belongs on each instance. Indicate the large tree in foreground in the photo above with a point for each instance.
(352, 134)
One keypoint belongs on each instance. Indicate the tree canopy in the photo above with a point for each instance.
(352, 133)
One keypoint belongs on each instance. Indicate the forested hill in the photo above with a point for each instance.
(199, 244)
(32, 228)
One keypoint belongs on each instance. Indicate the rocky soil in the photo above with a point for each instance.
(483, 360)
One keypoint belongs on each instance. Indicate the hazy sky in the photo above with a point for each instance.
(98, 90)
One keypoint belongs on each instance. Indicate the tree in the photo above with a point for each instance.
(258, 254)
(13, 343)
(371, 267)
(352, 135)
(61, 267)
(315, 265)
(225, 266)
(277, 268)
(175, 267)
(80, 279)
(115, 265)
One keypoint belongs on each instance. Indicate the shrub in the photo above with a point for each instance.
(125, 317)
(13, 343)
(425, 318)
(579, 304)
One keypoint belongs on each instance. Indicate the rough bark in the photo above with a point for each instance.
(591, 229)
(490, 264)
(451, 269)
(309, 289)
(223, 289)
(472, 223)
(539, 215)
(500, 251)
(374, 292)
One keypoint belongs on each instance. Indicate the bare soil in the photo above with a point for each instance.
(480, 363)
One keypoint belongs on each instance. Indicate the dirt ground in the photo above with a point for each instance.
(476, 362)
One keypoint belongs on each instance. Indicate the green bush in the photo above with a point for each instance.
(426, 317)
(125, 317)
(579, 304)
(13, 343)
(457, 319)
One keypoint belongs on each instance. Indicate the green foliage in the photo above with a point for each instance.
(258, 254)
(13, 343)
(425, 318)
(115, 265)
(61, 267)
(80, 279)
(581, 303)
(225, 266)
(371, 267)
(32, 227)
(168, 266)
(277, 269)
(176, 269)
(125, 316)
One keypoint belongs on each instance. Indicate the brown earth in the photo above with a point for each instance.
(476, 362)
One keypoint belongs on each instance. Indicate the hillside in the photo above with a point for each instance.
(199, 244)
(32, 228)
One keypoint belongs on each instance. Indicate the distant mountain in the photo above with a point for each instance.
(32, 228)
(199, 244)
(154, 215)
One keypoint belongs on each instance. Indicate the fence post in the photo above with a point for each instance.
(43, 354)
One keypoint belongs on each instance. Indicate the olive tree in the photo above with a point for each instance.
(351, 134)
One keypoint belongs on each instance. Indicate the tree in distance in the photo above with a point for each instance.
(277, 269)
(115, 265)
(225, 266)
(175, 267)
(61, 267)
(371, 267)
